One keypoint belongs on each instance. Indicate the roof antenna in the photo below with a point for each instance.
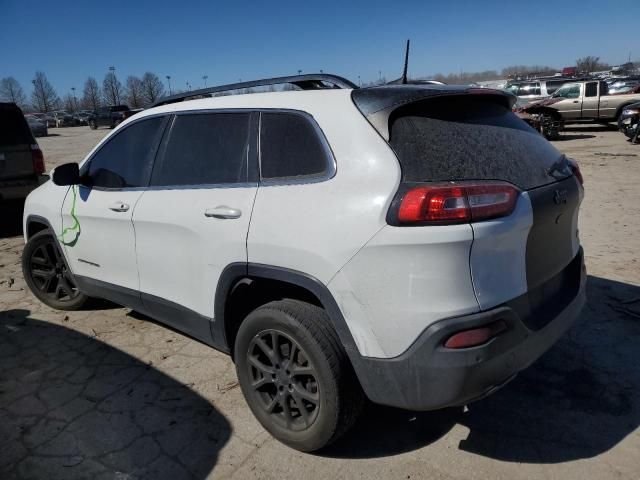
(406, 64)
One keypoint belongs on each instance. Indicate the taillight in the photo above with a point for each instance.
(38, 159)
(475, 336)
(576, 170)
(450, 203)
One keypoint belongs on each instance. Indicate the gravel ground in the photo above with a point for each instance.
(108, 393)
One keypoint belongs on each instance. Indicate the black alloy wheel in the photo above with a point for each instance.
(283, 379)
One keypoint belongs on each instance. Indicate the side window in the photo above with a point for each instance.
(591, 89)
(206, 148)
(573, 91)
(553, 86)
(290, 147)
(529, 89)
(126, 159)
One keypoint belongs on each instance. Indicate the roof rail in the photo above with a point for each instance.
(305, 82)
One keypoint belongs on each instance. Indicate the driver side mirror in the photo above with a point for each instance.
(66, 174)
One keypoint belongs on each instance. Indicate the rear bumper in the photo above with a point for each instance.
(428, 376)
(20, 188)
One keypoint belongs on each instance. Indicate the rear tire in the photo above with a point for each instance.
(296, 376)
(47, 274)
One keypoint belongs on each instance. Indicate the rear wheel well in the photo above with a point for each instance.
(34, 227)
(249, 293)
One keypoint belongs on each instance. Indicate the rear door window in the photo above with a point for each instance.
(125, 160)
(291, 147)
(205, 149)
(472, 138)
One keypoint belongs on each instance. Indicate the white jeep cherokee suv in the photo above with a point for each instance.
(416, 245)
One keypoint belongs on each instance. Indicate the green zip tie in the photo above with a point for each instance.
(76, 223)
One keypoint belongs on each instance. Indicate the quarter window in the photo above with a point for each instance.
(290, 147)
(205, 149)
(125, 160)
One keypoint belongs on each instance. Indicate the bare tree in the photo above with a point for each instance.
(11, 91)
(70, 103)
(91, 94)
(111, 89)
(135, 92)
(589, 64)
(152, 88)
(44, 97)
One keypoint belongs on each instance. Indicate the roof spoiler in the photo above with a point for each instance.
(378, 103)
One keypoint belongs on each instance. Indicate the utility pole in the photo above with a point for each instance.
(169, 83)
(204, 77)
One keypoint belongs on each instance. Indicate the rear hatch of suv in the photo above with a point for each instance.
(468, 143)
(18, 149)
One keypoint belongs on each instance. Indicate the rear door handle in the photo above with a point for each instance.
(222, 211)
(119, 207)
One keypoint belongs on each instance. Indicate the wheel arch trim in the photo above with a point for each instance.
(235, 272)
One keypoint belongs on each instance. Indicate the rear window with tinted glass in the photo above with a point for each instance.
(14, 129)
(471, 138)
(290, 147)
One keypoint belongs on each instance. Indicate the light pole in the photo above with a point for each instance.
(204, 77)
(188, 86)
(75, 101)
(299, 72)
(168, 77)
(359, 82)
(114, 93)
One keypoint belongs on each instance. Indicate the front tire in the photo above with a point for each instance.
(296, 376)
(47, 274)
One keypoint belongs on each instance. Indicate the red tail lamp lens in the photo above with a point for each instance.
(38, 159)
(475, 336)
(457, 204)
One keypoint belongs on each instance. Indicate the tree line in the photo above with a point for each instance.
(137, 92)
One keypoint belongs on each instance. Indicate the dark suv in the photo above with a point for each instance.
(21, 160)
(109, 116)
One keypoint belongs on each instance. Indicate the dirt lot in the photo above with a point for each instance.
(108, 393)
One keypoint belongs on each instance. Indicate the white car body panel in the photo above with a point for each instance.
(401, 282)
(317, 212)
(105, 248)
(498, 255)
(45, 202)
(181, 252)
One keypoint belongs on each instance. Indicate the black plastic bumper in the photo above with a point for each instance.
(428, 376)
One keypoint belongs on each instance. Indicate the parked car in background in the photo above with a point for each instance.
(624, 86)
(629, 121)
(109, 116)
(63, 119)
(47, 118)
(586, 101)
(83, 117)
(532, 90)
(38, 127)
(21, 160)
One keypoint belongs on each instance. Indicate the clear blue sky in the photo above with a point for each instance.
(70, 40)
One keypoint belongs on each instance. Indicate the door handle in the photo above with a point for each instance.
(576, 101)
(119, 207)
(222, 211)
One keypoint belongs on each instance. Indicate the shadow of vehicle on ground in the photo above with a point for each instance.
(577, 401)
(74, 407)
(564, 137)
